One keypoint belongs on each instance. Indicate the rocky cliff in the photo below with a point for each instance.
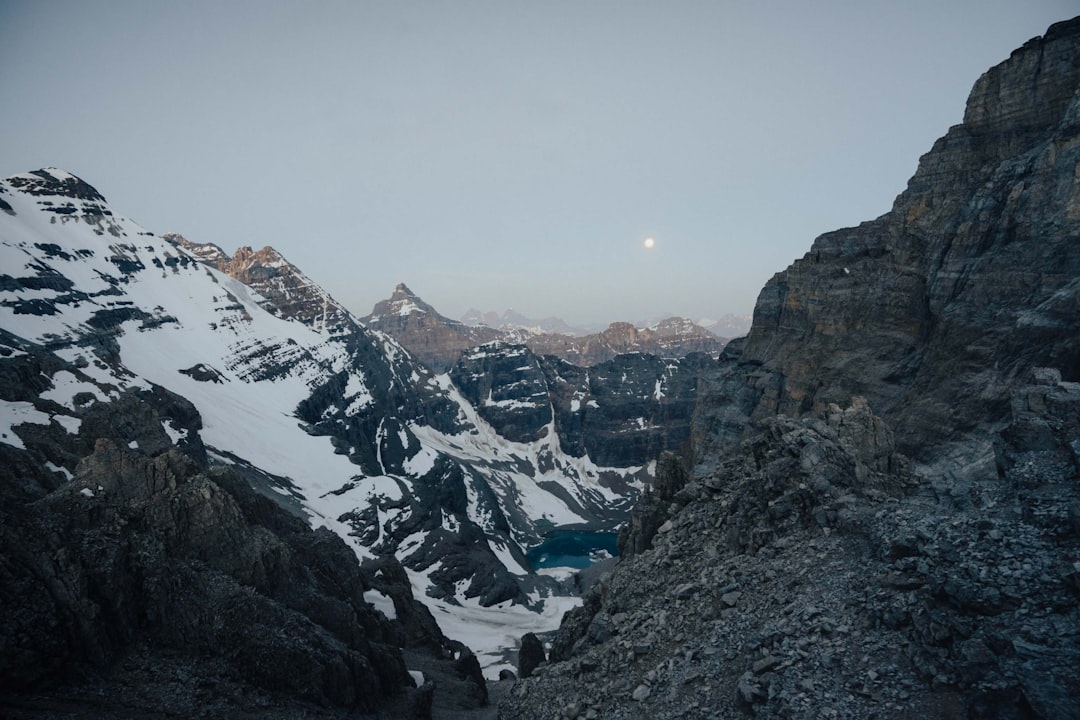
(933, 311)
(621, 413)
(286, 291)
(880, 512)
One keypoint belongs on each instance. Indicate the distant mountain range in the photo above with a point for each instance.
(438, 341)
(727, 326)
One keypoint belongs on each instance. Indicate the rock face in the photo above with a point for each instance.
(877, 515)
(531, 655)
(439, 341)
(934, 309)
(620, 413)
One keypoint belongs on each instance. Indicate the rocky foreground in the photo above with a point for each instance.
(880, 512)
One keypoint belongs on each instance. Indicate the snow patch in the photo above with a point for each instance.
(382, 603)
(175, 435)
(14, 413)
(66, 386)
(57, 468)
(70, 424)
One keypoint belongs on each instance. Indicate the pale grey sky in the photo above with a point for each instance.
(502, 154)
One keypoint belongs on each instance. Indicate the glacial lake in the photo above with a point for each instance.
(564, 548)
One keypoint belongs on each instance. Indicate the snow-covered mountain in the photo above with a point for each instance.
(332, 419)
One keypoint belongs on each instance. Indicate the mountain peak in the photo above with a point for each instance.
(403, 301)
(286, 291)
(54, 181)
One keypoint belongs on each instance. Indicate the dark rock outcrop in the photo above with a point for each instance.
(530, 655)
(157, 553)
(507, 386)
(621, 413)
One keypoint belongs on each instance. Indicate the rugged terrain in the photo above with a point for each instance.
(270, 380)
(145, 581)
(879, 515)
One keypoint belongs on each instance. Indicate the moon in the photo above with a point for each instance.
(649, 243)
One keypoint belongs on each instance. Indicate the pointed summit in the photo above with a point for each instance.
(435, 340)
(402, 302)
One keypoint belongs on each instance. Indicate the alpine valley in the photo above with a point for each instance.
(122, 349)
(225, 495)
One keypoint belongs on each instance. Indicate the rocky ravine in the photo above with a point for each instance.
(880, 513)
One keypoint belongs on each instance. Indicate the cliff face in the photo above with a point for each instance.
(621, 413)
(880, 515)
(933, 310)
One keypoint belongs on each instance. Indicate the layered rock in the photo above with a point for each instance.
(933, 310)
(620, 413)
(877, 516)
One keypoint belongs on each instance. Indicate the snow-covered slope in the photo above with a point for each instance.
(336, 420)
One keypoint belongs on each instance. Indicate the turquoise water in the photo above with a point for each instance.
(571, 549)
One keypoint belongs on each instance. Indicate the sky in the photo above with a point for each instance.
(507, 154)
